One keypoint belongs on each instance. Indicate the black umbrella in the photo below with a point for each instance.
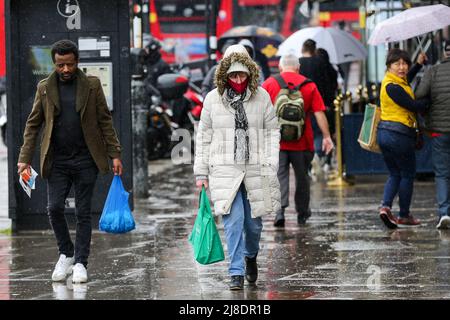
(265, 40)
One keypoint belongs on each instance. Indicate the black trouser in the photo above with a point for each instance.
(301, 161)
(59, 183)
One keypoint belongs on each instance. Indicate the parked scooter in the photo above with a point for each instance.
(176, 103)
(160, 126)
(193, 95)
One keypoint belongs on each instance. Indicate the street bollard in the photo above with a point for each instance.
(365, 98)
(374, 93)
(348, 103)
(140, 123)
(359, 95)
(339, 180)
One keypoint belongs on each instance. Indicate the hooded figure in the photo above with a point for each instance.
(249, 46)
(257, 58)
(237, 147)
(155, 65)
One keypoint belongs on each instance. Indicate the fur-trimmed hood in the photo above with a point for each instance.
(221, 77)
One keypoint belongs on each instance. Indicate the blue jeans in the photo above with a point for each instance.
(441, 167)
(242, 233)
(399, 155)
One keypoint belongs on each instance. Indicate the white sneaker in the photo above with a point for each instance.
(444, 223)
(79, 273)
(63, 268)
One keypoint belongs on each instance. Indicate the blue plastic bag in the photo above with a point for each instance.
(116, 216)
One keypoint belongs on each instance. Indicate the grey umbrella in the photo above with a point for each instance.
(341, 46)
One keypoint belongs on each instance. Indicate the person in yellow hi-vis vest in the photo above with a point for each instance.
(396, 135)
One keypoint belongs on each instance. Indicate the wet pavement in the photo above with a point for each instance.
(343, 251)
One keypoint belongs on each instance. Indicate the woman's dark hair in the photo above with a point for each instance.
(396, 54)
(63, 47)
(323, 54)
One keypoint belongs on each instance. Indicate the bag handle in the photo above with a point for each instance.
(200, 195)
(200, 198)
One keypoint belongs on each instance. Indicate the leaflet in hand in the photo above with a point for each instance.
(27, 180)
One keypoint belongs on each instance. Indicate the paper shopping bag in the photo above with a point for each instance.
(367, 138)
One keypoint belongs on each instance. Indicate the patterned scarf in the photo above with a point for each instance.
(241, 138)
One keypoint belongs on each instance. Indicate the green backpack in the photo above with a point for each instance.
(290, 110)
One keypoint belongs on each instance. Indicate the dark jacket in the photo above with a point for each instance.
(313, 68)
(155, 69)
(435, 85)
(330, 84)
(96, 122)
(208, 82)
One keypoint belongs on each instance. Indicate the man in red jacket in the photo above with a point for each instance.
(300, 152)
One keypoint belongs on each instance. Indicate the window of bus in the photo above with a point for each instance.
(283, 16)
(343, 15)
(343, 5)
(264, 13)
(178, 16)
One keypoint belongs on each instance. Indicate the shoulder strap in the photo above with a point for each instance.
(281, 81)
(284, 85)
(297, 87)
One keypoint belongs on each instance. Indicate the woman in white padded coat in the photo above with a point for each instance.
(237, 151)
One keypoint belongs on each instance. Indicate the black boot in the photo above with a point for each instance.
(279, 219)
(251, 269)
(301, 218)
(237, 283)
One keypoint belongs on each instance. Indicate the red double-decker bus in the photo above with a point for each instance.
(343, 14)
(181, 25)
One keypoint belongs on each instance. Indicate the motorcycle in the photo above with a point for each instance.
(193, 95)
(160, 126)
(176, 104)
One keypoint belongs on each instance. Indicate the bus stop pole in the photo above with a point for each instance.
(213, 36)
(208, 31)
(140, 124)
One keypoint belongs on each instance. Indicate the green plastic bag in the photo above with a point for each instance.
(204, 237)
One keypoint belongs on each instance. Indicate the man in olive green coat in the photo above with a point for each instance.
(77, 140)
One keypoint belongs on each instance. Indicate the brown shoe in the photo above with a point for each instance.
(408, 221)
(388, 218)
